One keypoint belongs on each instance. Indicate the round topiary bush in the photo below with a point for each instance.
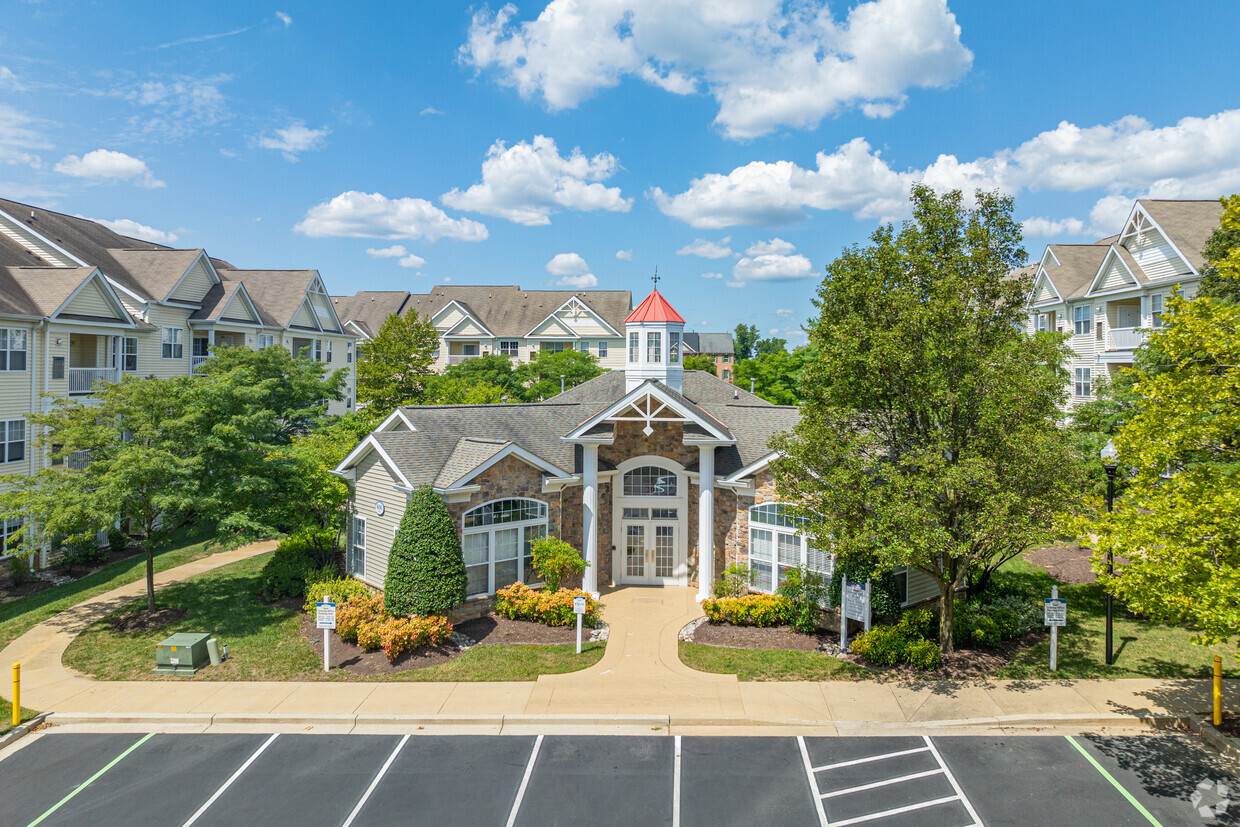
(426, 572)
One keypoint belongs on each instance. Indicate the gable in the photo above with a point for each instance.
(1156, 255)
(468, 327)
(1044, 291)
(92, 300)
(194, 284)
(448, 316)
(552, 326)
(239, 310)
(303, 317)
(1114, 274)
(1048, 258)
(322, 308)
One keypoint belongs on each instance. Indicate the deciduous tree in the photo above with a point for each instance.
(393, 366)
(743, 340)
(700, 361)
(541, 375)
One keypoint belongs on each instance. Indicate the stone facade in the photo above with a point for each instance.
(735, 545)
(508, 478)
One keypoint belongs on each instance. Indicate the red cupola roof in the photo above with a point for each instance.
(654, 309)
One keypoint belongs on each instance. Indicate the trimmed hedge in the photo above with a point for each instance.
(893, 645)
(340, 589)
(426, 572)
(520, 602)
(750, 610)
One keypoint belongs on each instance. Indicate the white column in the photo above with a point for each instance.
(706, 520)
(589, 524)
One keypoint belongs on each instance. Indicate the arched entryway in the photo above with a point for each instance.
(650, 521)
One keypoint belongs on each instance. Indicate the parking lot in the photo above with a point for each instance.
(217, 779)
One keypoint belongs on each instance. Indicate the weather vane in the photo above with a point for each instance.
(655, 279)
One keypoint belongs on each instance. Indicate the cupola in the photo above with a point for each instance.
(655, 349)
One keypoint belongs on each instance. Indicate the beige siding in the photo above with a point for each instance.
(15, 398)
(150, 354)
(468, 328)
(921, 587)
(194, 285)
(322, 309)
(1156, 256)
(303, 317)
(448, 320)
(238, 309)
(1115, 275)
(374, 484)
(1045, 293)
(90, 301)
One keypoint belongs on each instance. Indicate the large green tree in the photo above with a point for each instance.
(541, 376)
(393, 366)
(700, 361)
(128, 456)
(1222, 254)
(1176, 529)
(765, 347)
(493, 370)
(775, 375)
(744, 338)
(928, 437)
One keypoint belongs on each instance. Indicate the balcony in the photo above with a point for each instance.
(195, 362)
(1126, 338)
(82, 380)
(456, 359)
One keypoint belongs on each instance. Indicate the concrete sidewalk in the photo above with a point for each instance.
(639, 685)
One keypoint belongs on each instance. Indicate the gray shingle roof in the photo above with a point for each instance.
(38, 291)
(156, 272)
(276, 293)
(1078, 264)
(370, 307)
(709, 342)
(1189, 224)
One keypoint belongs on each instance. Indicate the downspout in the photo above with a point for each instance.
(47, 383)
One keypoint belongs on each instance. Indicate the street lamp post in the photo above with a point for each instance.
(1109, 455)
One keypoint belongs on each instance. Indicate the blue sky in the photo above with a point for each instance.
(737, 146)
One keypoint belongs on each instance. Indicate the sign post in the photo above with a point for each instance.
(854, 605)
(1055, 614)
(325, 619)
(579, 609)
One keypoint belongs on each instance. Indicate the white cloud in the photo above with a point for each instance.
(18, 133)
(772, 267)
(1050, 227)
(294, 139)
(572, 269)
(182, 106)
(413, 261)
(430, 110)
(734, 283)
(776, 246)
(526, 182)
(1109, 213)
(407, 259)
(133, 229)
(712, 275)
(108, 165)
(8, 80)
(285, 18)
(707, 249)
(785, 313)
(1196, 157)
(767, 64)
(372, 215)
(625, 255)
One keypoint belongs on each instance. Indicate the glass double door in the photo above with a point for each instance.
(650, 550)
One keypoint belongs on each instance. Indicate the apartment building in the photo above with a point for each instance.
(1108, 295)
(718, 346)
(501, 319)
(81, 304)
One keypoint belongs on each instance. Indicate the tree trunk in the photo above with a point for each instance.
(150, 577)
(947, 607)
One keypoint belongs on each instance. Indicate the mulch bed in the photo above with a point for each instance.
(752, 637)
(490, 630)
(144, 621)
(10, 592)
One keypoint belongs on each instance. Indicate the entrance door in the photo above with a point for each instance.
(650, 545)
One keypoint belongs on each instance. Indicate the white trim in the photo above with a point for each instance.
(371, 444)
(305, 302)
(1106, 260)
(1137, 206)
(126, 319)
(26, 228)
(1033, 292)
(586, 306)
(386, 424)
(752, 468)
(118, 286)
(1051, 253)
(361, 334)
(465, 313)
(648, 387)
(241, 291)
(509, 450)
(211, 274)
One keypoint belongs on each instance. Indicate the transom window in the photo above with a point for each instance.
(650, 514)
(13, 440)
(172, 343)
(650, 481)
(497, 541)
(12, 349)
(1081, 320)
(10, 536)
(776, 544)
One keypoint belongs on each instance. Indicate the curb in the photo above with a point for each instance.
(1227, 746)
(571, 724)
(21, 731)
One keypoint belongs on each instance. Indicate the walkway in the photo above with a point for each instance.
(639, 685)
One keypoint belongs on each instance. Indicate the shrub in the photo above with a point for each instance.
(734, 581)
(318, 544)
(884, 595)
(19, 571)
(341, 590)
(398, 635)
(921, 623)
(556, 561)
(807, 592)
(285, 573)
(355, 612)
(116, 540)
(370, 635)
(923, 654)
(84, 551)
(426, 572)
(750, 610)
(520, 602)
(882, 645)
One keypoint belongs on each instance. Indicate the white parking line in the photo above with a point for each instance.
(375, 782)
(857, 761)
(977, 821)
(885, 783)
(525, 782)
(921, 805)
(230, 781)
(813, 782)
(676, 786)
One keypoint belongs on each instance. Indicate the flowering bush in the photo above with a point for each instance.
(750, 610)
(520, 602)
(356, 611)
(363, 620)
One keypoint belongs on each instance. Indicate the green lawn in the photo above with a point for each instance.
(18, 616)
(769, 664)
(1143, 649)
(265, 644)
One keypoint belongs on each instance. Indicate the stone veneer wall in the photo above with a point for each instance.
(735, 545)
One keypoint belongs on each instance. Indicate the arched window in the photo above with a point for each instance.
(497, 539)
(650, 481)
(776, 544)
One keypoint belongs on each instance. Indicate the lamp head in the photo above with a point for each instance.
(1109, 455)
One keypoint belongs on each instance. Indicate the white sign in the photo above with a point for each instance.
(856, 600)
(325, 615)
(1056, 611)
(579, 605)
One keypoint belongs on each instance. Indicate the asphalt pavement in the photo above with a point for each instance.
(259, 779)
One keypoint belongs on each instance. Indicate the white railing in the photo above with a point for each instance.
(456, 360)
(1126, 338)
(81, 380)
(195, 362)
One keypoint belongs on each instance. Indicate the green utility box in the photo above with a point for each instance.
(182, 654)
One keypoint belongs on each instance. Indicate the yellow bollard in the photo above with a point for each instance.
(1218, 690)
(17, 694)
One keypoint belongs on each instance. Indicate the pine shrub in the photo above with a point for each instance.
(426, 572)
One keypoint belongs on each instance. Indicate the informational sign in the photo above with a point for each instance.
(325, 615)
(856, 600)
(579, 605)
(1055, 611)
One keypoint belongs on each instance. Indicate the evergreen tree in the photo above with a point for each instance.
(426, 571)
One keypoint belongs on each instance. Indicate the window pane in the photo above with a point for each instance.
(506, 511)
(654, 347)
(476, 579)
(637, 514)
(507, 543)
(650, 481)
(474, 548)
(820, 561)
(663, 514)
(532, 533)
(760, 576)
(506, 573)
(789, 550)
(760, 544)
